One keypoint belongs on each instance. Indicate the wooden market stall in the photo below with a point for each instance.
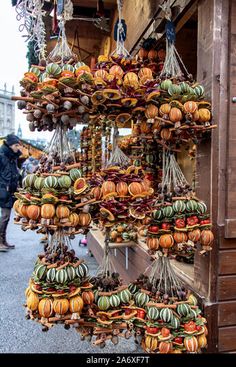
(205, 39)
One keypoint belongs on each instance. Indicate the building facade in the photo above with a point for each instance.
(7, 111)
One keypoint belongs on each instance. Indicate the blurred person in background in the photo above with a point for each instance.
(9, 178)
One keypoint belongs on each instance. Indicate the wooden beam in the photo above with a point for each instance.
(186, 17)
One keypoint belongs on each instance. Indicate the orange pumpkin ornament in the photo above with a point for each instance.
(96, 192)
(180, 237)
(156, 126)
(190, 107)
(165, 347)
(33, 212)
(166, 241)
(135, 188)
(45, 307)
(204, 115)
(194, 235)
(74, 219)
(101, 73)
(131, 80)
(32, 301)
(22, 210)
(202, 341)
(143, 54)
(191, 343)
(166, 134)
(144, 128)
(195, 116)
(108, 187)
(116, 71)
(151, 342)
(76, 304)
(175, 114)
(16, 206)
(62, 212)
(61, 306)
(88, 297)
(161, 54)
(164, 110)
(153, 243)
(122, 188)
(84, 219)
(151, 111)
(207, 237)
(152, 55)
(145, 73)
(47, 211)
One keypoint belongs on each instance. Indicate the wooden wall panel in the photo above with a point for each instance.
(227, 313)
(230, 222)
(227, 288)
(227, 339)
(204, 162)
(225, 243)
(227, 262)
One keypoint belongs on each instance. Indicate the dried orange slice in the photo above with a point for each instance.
(107, 214)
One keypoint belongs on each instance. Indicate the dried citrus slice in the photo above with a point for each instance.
(80, 185)
(130, 169)
(107, 214)
(135, 214)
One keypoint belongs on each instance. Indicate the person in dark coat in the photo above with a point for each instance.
(9, 176)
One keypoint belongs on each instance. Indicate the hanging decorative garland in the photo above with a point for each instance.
(60, 201)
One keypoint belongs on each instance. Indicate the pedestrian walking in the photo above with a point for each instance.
(9, 177)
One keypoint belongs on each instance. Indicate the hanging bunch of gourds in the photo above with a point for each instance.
(122, 90)
(54, 197)
(124, 194)
(178, 226)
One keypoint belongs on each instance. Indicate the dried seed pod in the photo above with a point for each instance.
(85, 100)
(37, 114)
(30, 117)
(67, 105)
(50, 108)
(65, 119)
(81, 109)
(21, 105)
(31, 126)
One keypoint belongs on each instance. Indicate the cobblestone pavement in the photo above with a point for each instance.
(18, 335)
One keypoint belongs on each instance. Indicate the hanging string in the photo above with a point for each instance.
(172, 174)
(59, 144)
(173, 61)
(120, 48)
(162, 276)
(118, 158)
(107, 266)
(62, 50)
